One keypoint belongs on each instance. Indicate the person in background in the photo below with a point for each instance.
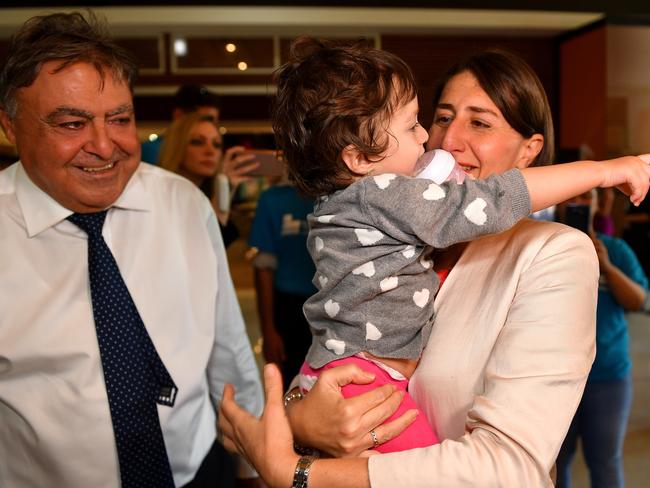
(187, 99)
(283, 275)
(637, 233)
(603, 219)
(193, 148)
(601, 419)
(119, 322)
(513, 342)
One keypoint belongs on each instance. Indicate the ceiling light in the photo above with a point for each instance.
(180, 47)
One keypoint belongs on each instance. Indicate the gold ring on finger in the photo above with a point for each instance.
(375, 440)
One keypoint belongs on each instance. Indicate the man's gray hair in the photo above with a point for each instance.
(65, 37)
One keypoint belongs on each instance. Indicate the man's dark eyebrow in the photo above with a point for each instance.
(74, 112)
(52, 117)
(122, 109)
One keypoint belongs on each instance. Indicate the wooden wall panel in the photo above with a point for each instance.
(430, 56)
(233, 107)
(583, 98)
(209, 53)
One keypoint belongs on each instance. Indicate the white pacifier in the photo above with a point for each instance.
(439, 166)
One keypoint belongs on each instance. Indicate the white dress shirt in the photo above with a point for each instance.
(55, 424)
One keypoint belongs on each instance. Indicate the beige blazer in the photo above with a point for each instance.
(506, 363)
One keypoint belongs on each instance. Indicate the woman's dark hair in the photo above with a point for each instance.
(331, 96)
(68, 38)
(515, 89)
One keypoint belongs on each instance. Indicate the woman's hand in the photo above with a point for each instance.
(603, 256)
(627, 292)
(266, 442)
(237, 163)
(341, 427)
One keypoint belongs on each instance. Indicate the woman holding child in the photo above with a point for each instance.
(512, 343)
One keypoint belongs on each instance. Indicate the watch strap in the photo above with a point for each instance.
(301, 474)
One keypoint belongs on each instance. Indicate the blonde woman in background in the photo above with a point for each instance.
(193, 148)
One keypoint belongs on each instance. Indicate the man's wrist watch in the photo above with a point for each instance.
(301, 474)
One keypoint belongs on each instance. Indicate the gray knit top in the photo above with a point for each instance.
(372, 245)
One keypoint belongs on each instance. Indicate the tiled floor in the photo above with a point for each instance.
(637, 443)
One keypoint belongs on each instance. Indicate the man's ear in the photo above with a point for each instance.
(355, 161)
(7, 126)
(532, 147)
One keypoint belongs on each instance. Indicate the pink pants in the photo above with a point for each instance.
(417, 434)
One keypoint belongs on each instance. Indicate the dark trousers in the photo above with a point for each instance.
(600, 423)
(216, 471)
(292, 326)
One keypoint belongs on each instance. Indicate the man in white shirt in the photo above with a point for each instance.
(66, 102)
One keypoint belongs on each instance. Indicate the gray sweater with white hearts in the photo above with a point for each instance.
(372, 244)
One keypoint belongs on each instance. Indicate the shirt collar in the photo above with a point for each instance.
(41, 211)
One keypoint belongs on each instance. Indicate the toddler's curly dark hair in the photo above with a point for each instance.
(331, 96)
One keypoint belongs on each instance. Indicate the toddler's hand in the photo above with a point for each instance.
(630, 174)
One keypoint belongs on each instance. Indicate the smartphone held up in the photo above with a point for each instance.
(270, 162)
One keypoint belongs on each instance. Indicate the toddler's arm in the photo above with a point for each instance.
(549, 185)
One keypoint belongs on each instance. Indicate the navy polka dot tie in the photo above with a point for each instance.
(135, 376)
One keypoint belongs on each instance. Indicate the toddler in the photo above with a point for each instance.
(346, 119)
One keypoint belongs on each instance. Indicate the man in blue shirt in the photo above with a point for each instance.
(283, 275)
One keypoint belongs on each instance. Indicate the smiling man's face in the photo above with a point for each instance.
(75, 135)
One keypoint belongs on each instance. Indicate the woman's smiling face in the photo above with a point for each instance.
(469, 125)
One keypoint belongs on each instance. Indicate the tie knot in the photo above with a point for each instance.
(90, 223)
